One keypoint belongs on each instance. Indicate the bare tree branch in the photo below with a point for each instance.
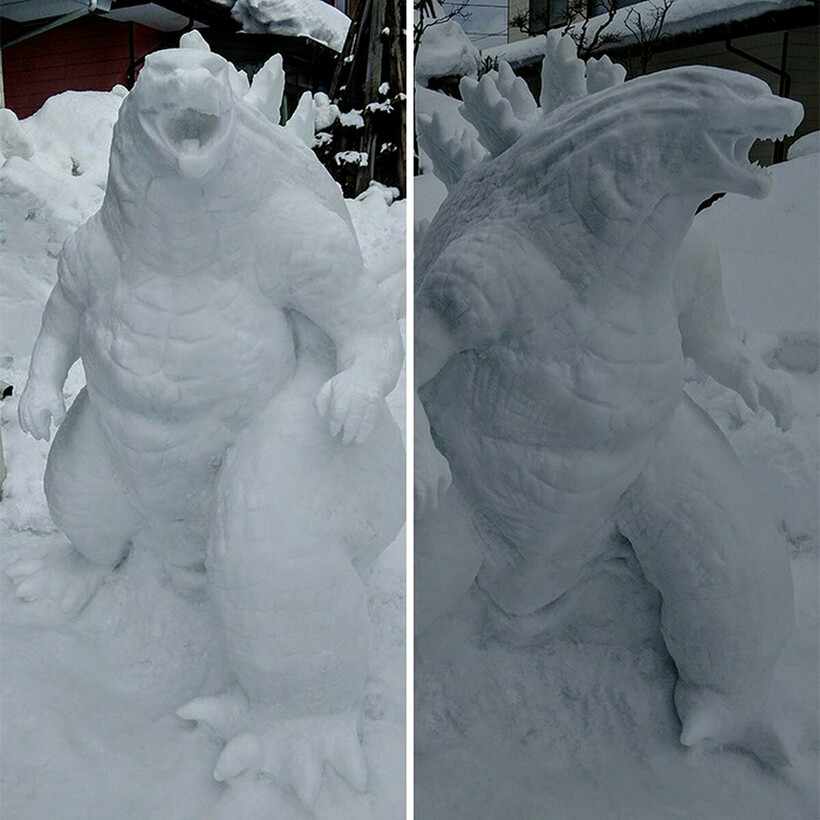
(647, 31)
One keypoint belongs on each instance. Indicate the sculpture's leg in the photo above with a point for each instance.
(705, 540)
(88, 503)
(293, 509)
(447, 554)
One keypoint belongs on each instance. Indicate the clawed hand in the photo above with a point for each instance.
(432, 479)
(350, 404)
(40, 406)
(761, 387)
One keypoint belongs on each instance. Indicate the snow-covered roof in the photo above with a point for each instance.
(519, 53)
(295, 18)
(683, 17)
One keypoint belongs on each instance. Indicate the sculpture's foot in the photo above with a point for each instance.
(292, 751)
(69, 580)
(711, 721)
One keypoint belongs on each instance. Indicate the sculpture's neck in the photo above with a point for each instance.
(164, 219)
(616, 230)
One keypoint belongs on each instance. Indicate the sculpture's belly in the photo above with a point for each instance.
(547, 431)
(175, 368)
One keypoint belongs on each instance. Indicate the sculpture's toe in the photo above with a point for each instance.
(241, 752)
(222, 713)
(712, 721)
(347, 758)
(294, 752)
(68, 580)
(705, 719)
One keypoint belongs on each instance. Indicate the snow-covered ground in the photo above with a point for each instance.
(577, 720)
(88, 723)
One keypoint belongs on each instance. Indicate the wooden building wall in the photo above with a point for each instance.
(89, 54)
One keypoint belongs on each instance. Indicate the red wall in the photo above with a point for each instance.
(90, 54)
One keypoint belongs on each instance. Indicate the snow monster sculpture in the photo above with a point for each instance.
(219, 305)
(557, 297)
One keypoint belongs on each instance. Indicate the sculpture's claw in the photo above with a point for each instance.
(293, 752)
(710, 722)
(23, 569)
(40, 406)
(68, 580)
(221, 712)
(432, 480)
(350, 405)
(776, 397)
(347, 757)
(305, 772)
(241, 752)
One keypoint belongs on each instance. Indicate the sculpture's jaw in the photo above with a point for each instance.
(731, 151)
(735, 112)
(198, 137)
(185, 106)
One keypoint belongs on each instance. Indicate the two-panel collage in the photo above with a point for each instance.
(409, 410)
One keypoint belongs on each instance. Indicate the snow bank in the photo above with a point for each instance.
(294, 18)
(445, 51)
(807, 144)
(52, 181)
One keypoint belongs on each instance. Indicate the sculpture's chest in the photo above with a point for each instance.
(186, 338)
(601, 372)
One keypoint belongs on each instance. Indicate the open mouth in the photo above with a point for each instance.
(748, 177)
(191, 131)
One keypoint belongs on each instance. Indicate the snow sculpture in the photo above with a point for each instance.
(223, 246)
(557, 296)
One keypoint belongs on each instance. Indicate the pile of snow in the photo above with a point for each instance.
(445, 50)
(806, 145)
(293, 18)
(89, 726)
(52, 180)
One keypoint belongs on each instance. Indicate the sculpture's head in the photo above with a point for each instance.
(184, 105)
(685, 131)
(707, 120)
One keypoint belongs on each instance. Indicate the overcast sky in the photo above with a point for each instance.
(486, 24)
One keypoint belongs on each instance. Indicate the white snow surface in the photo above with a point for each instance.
(293, 18)
(88, 704)
(581, 723)
(445, 51)
(807, 144)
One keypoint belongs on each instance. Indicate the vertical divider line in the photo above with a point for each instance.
(410, 119)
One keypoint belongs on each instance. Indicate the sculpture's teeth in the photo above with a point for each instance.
(192, 126)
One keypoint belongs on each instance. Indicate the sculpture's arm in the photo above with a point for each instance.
(481, 287)
(708, 338)
(56, 349)
(326, 283)
(434, 347)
